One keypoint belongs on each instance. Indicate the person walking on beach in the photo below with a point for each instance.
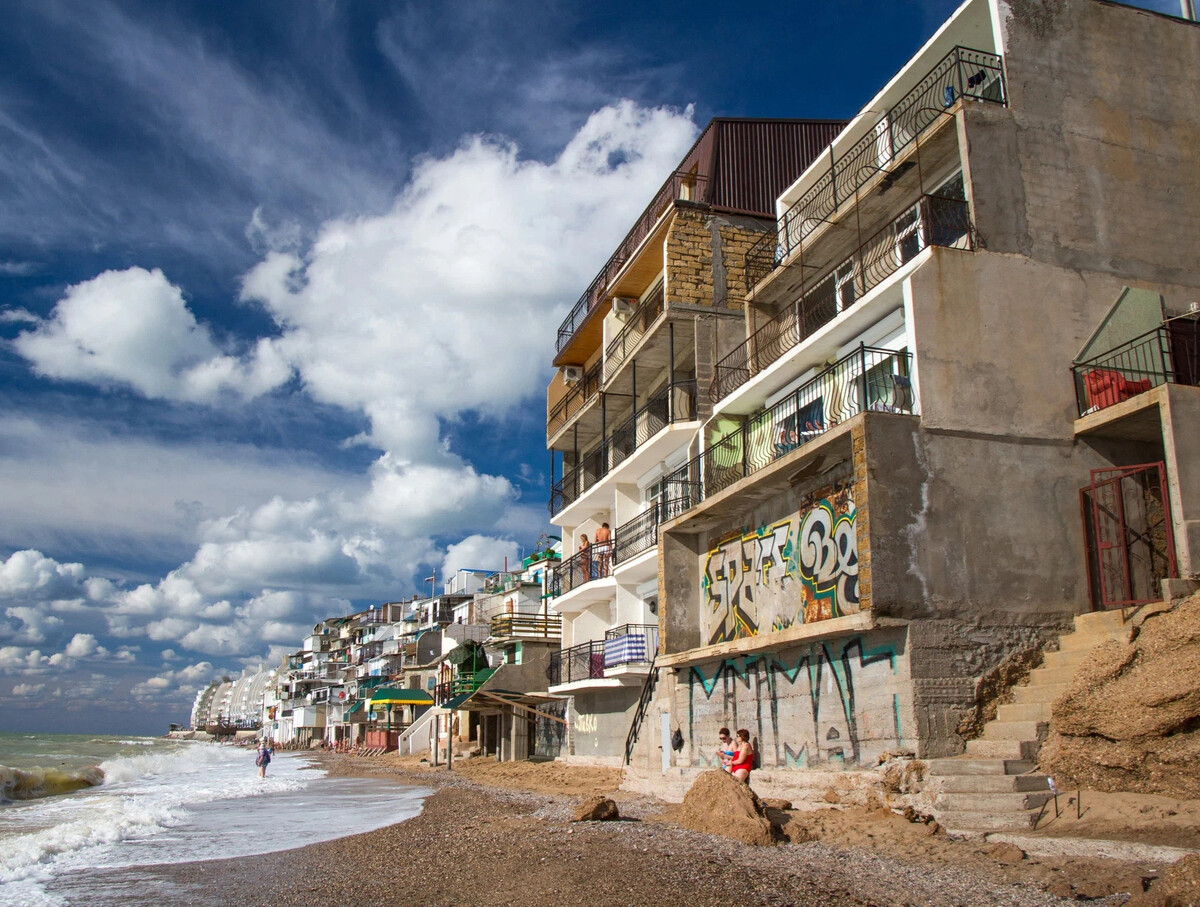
(743, 760)
(262, 760)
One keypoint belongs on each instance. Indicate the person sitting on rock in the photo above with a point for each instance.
(726, 748)
(743, 760)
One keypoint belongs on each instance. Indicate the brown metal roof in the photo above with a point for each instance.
(744, 164)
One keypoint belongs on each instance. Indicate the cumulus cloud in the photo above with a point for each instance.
(82, 645)
(480, 552)
(134, 328)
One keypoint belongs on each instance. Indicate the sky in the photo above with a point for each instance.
(279, 286)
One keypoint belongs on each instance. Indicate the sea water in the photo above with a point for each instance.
(73, 804)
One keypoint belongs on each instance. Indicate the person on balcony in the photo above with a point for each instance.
(603, 550)
(585, 557)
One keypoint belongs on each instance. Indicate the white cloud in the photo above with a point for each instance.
(28, 689)
(480, 552)
(134, 328)
(82, 645)
(31, 574)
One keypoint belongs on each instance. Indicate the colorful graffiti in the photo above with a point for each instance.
(798, 570)
(831, 703)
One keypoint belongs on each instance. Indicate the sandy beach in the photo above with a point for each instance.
(498, 834)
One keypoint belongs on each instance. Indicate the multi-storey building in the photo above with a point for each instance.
(626, 404)
(885, 507)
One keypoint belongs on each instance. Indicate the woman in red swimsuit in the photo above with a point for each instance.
(743, 759)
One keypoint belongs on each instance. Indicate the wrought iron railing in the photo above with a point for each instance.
(574, 400)
(582, 662)
(962, 73)
(677, 186)
(527, 626)
(634, 536)
(673, 403)
(933, 221)
(1169, 354)
(593, 562)
(868, 379)
(632, 332)
(630, 644)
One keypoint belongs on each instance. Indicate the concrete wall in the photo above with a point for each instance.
(599, 723)
(837, 703)
(1181, 436)
(1092, 166)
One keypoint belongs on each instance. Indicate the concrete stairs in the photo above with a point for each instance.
(994, 786)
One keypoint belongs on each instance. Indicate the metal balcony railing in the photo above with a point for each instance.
(867, 379)
(933, 221)
(1169, 354)
(630, 644)
(633, 331)
(633, 537)
(962, 73)
(582, 662)
(678, 185)
(593, 562)
(674, 403)
(527, 626)
(574, 400)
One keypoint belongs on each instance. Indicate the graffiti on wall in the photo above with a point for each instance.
(797, 570)
(830, 703)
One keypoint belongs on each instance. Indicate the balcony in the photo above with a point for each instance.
(934, 221)
(1170, 354)
(673, 404)
(527, 627)
(463, 682)
(573, 401)
(593, 562)
(678, 185)
(963, 73)
(866, 380)
(626, 341)
(625, 646)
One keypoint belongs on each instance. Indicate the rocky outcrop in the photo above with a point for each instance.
(1130, 720)
(597, 809)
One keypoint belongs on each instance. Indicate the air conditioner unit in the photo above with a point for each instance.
(572, 374)
(624, 306)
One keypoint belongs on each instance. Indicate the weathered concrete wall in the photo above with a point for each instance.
(679, 599)
(599, 722)
(1092, 166)
(1182, 442)
(837, 703)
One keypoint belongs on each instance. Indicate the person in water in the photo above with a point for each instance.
(262, 760)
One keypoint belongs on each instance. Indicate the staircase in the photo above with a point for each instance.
(994, 786)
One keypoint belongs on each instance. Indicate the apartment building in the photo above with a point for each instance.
(961, 411)
(634, 357)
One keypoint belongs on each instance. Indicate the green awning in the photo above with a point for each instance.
(399, 696)
(354, 708)
(455, 701)
(368, 682)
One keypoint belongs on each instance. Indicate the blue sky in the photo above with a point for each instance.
(278, 289)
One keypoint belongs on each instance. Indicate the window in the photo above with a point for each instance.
(888, 387)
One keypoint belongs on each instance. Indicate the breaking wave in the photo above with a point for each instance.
(32, 783)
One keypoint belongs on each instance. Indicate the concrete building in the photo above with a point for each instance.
(885, 509)
(625, 407)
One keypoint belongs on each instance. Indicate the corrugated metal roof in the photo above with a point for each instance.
(745, 164)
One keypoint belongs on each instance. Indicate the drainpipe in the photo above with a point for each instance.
(1188, 9)
(671, 372)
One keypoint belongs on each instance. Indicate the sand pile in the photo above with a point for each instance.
(1130, 721)
(1179, 886)
(719, 804)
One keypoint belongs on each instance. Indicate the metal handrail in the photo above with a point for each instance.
(527, 625)
(581, 662)
(593, 562)
(940, 221)
(670, 191)
(868, 378)
(963, 73)
(634, 536)
(634, 330)
(1168, 354)
(643, 706)
(574, 400)
(673, 403)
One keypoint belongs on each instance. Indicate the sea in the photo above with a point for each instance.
(73, 807)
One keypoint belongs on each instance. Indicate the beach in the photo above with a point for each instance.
(502, 833)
